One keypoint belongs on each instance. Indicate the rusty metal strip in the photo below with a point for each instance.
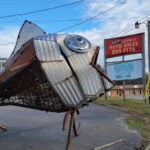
(20, 66)
(3, 128)
(65, 119)
(72, 125)
(101, 73)
(42, 61)
(70, 129)
(97, 67)
(76, 131)
(94, 58)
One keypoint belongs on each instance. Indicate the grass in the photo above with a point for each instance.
(130, 105)
(138, 123)
(139, 114)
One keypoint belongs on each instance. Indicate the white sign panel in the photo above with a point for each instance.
(125, 70)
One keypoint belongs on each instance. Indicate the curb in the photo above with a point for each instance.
(110, 106)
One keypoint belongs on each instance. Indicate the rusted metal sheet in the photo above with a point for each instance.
(30, 88)
(21, 59)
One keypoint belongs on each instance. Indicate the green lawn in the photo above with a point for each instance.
(139, 114)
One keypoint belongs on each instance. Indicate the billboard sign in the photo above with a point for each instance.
(126, 45)
(127, 70)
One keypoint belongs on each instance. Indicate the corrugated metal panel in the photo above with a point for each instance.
(47, 49)
(89, 78)
(80, 61)
(60, 76)
(90, 81)
(108, 85)
(69, 91)
(60, 39)
(57, 70)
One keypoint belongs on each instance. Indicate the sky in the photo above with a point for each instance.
(94, 19)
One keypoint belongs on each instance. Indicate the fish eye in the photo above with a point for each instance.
(77, 43)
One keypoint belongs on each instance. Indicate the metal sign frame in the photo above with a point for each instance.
(126, 45)
(123, 58)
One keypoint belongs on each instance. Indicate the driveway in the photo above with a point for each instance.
(37, 130)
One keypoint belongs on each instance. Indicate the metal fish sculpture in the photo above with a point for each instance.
(53, 73)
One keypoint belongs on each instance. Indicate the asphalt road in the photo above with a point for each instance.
(37, 130)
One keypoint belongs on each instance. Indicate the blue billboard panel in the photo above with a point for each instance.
(125, 70)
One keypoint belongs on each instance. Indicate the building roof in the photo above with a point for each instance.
(117, 87)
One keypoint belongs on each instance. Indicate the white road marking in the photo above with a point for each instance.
(108, 145)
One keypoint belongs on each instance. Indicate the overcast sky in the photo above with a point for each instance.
(104, 19)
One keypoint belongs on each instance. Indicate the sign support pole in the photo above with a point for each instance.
(124, 84)
(105, 64)
(143, 57)
(148, 30)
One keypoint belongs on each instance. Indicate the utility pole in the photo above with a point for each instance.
(137, 24)
(148, 33)
(148, 30)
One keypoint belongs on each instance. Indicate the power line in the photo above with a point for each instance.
(7, 44)
(90, 18)
(130, 27)
(52, 21)
(48, 21)
(41, 10)
(125, 30)
(60, 20)
(56, 20)
(82, 22)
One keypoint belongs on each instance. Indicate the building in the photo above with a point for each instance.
(130, 90)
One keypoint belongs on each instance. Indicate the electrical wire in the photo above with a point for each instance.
(86, 20)
(130, 27)
(126, 30)
(41, 10)
(89, 19)
(7, 44)
(60, 20)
